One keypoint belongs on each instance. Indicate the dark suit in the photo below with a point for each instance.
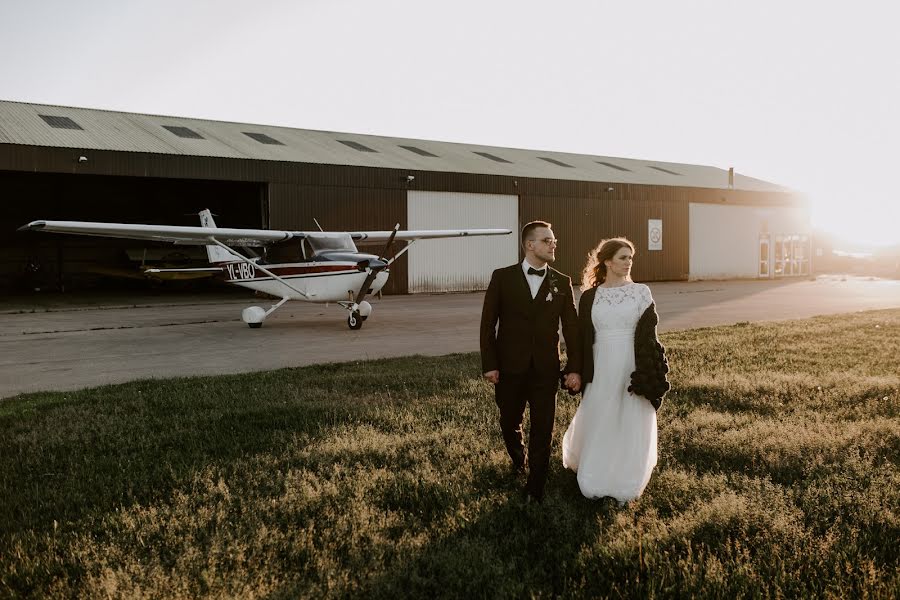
(525, 349)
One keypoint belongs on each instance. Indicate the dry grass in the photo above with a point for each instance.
(779, 475)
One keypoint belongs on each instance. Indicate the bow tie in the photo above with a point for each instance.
(538, 272)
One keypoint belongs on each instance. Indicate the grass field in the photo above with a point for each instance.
(778, 475)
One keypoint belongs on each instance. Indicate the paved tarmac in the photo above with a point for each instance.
(54, 342)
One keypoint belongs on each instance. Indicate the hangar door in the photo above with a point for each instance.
(733, 241)
(460, 264)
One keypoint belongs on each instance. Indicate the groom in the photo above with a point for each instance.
(521, 356)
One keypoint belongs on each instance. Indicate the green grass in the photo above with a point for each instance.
(778, 475)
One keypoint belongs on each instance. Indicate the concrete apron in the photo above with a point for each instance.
(71, 346)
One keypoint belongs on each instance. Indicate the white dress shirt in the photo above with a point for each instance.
(534, 281)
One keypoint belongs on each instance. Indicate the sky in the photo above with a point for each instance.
(803, 94)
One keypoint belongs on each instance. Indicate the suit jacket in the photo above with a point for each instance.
(651, 366)
(528, 329)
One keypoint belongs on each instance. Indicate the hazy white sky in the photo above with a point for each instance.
(801, 93)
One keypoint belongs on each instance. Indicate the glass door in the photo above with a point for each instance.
(779, 256)
(764, 256)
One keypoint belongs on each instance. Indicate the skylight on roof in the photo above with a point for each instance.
(419, 151)
(555, 162)
(357, 146)
(611, 165)
(262, 138)
(492, 157)
(664, 170)
(183, 132)
(60, 122)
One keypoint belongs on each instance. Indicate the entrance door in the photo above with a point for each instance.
(779, 256)
(764, 256)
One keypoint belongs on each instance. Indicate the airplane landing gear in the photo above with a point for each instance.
(255, 315)
(358, 313)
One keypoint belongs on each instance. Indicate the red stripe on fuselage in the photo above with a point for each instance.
(299, 270)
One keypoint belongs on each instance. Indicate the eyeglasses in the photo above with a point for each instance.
(549, 241)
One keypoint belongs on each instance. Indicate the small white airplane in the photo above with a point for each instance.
(331, 269)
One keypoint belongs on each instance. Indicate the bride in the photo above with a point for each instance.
(611, 442)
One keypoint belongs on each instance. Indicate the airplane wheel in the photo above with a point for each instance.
(254, 325)
(354, 320)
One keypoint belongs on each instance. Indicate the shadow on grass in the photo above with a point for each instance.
(510, 548)
(67, 457)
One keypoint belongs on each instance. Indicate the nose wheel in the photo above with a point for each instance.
(355, 320)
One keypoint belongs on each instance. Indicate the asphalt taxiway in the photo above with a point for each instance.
(65, 343)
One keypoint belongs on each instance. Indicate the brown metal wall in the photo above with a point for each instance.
(341, 208)
(344, 197)
(65, 160)
(711, 196)
(580, 223)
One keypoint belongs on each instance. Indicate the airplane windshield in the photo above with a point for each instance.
(333, 242)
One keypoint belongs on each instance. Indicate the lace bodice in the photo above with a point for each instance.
(619, 308)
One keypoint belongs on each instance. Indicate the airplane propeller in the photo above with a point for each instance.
(356, 315)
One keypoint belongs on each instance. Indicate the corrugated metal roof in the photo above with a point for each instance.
(21, 123)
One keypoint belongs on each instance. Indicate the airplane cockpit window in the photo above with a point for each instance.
(333, 242)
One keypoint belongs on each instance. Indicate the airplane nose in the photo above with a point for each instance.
(376, 264)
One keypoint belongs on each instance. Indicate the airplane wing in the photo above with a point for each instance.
(428, 234)
(201, 236)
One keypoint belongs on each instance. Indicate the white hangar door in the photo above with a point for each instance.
(460, 264)
(727, 241)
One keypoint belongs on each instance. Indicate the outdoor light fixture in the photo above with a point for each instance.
(82, 159)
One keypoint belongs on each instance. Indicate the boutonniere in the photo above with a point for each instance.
(553, 287)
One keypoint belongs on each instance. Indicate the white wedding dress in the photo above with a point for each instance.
(611, 442)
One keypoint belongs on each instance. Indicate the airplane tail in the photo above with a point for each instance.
(216, 254)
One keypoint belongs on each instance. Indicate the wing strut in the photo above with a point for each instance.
(402, 252)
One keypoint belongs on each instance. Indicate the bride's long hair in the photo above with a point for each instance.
(595, 270)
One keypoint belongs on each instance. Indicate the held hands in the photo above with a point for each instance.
(573, 382)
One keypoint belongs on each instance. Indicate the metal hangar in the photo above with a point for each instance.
(63, 163)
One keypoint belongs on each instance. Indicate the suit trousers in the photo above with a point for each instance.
(538, 391)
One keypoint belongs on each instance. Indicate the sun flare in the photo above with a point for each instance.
(866, 221)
